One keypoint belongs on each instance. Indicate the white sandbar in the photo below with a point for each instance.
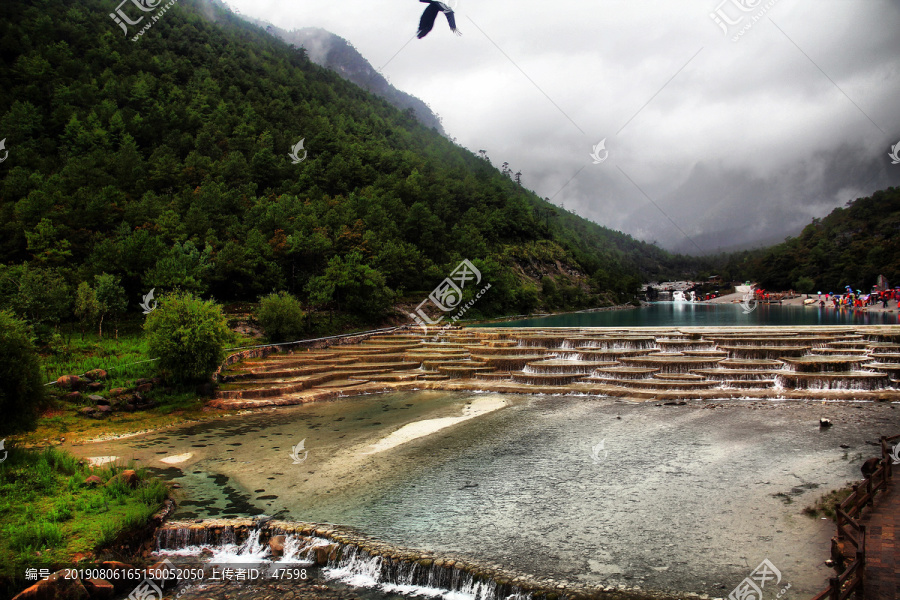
(412, 431)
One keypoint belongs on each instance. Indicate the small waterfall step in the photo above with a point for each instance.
(843, 351)
(679, 377)
(770, 352)
(434, 365)
(666, 384)
(550, 379)
(892, 369)
(508, 363)
(754, 384)
(745, 375)
(762, 364)
(886, 357)
(844, 380)
(615, 343)
(672, 364)
(500, 376)
(462, 371)
(567, 366)
(685, 345)
(623, 373)
(823, 364)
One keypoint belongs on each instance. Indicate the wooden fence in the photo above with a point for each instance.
(850, 541)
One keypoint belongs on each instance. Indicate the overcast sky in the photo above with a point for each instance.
(712, 142)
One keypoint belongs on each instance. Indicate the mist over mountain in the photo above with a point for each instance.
(334, 52)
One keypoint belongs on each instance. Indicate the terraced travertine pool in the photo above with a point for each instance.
(666, 363)
(684, 498)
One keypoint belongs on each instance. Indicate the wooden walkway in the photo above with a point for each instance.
(882, 573)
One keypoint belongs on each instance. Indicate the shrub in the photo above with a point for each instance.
(353, 286)
(21, 389)
(281, 317)
(188, 335)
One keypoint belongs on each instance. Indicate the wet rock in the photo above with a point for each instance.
(95, 398)
(55, 587)
(323, 553)
(276, 545)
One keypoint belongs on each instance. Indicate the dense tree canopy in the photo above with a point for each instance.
(163, 163)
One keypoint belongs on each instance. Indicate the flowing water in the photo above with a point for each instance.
(688, 314)
(586, 490)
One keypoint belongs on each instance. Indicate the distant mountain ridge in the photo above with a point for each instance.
(852, 246)
(333, 52)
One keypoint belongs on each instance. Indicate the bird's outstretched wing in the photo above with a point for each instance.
(427, 21)
(451, 18)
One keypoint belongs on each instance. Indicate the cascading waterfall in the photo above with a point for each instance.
(346, 563)
(185, 542)
(357, 568)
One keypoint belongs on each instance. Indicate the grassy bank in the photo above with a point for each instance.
(126, 361)
(51, 515)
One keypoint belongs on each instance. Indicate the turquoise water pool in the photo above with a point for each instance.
(686, 314)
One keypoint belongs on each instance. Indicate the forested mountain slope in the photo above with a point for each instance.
(163, 162)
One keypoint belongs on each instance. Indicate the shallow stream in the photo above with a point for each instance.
(583, 489)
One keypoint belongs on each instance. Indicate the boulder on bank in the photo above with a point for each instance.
(69, 382)
(92, 481)
(128, 476)
(55, 587)
(96, 374)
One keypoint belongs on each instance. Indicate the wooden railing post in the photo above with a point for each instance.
(837, 521)
(861, 570)
(835, 585)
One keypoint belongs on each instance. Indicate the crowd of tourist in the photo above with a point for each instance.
(856, 299)
(850, 298)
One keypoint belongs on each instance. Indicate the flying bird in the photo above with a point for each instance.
(426, 23)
